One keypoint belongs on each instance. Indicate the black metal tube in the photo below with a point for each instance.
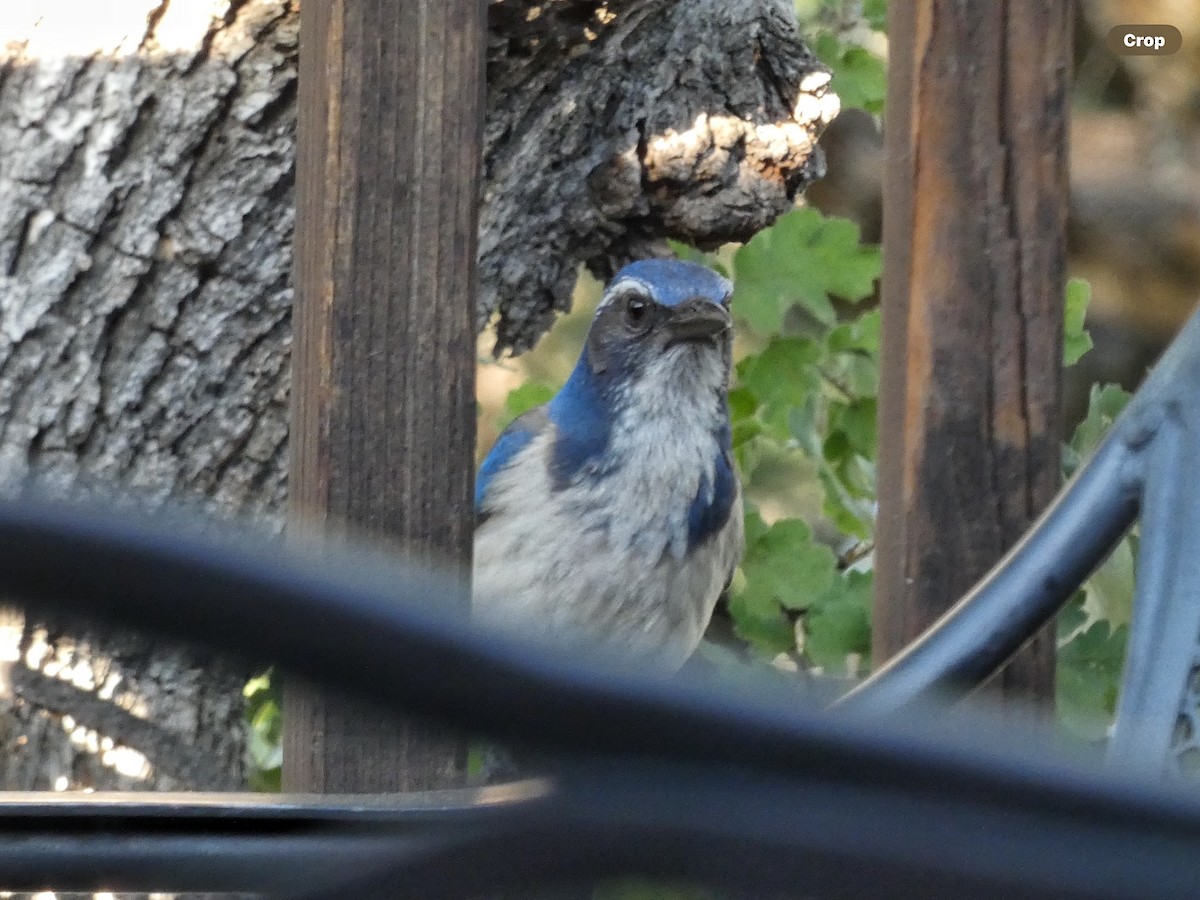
(985, 818)
(36, 859)
(1030, 830)
(230, 842)
(1034, 579)
(991, 822)
(1024, 589)
(361, 625)
(1020, 594)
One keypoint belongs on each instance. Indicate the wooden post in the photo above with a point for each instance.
(975, 208)
(383, 405)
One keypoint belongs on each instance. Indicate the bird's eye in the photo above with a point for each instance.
(637, 312)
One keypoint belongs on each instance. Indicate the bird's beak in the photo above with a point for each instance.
(695, 320)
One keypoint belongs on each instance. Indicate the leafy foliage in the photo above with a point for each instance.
(266, 731)
(859, 76)
(806, 383)
(1089, 672)
(808, 392)
(783, 571)
(839, 624)
(805, 258)
(1093, 628)
(875, 13)
(1076, 340)
(846, 36)
(528, 396)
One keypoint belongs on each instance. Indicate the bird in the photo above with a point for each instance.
(611, 516)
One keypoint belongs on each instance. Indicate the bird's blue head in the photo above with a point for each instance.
(659, 314)
(659, 348)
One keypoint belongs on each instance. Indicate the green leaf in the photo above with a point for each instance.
(521, 399)
(757, 617)
(802, 259)
(862, 335)
(859, 76)
(266, 780)
(1089, 671)
(1076, 340)
(802, 423)
(265, 745)
(836, 446)
(1105, 404)
(875, 12)
(784, 374)
(749, 450)
(755, 527)
(766, 628)
(743, 409)
(1071, 617)
(838, 509)
(852, 365)
(745, 431)
(855, 421)
(784, 567)
(839, 624)
(742, 404)
(257, 685)
(1110, 588)
(265, 719)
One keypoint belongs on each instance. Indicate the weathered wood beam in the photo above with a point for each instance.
(975, 207)
(383, 407)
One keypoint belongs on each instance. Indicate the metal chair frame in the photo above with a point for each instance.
(669, 778)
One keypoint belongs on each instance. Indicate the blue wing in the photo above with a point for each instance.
(711, 507)
(513, 440)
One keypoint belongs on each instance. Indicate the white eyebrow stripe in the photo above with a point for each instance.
(616, 289)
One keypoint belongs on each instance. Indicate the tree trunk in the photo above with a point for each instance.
(146, 212)
(145, 228)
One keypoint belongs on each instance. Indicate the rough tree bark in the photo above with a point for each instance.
(145, 225)
(615, 124)
(146, 211)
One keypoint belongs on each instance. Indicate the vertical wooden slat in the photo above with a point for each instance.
(975, 208)
(383, 410)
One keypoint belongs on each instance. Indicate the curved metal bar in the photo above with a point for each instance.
(714, 784)
(1024, 589)
(1156, 715)
(364, 626)
(1034, 830)
(727, 781)
(1070, 539)
(1006, 824)
(230, 842)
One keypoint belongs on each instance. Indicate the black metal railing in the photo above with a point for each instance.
(1148, 466)
(655, 776)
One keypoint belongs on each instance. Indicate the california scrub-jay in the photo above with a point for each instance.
(612, 515)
